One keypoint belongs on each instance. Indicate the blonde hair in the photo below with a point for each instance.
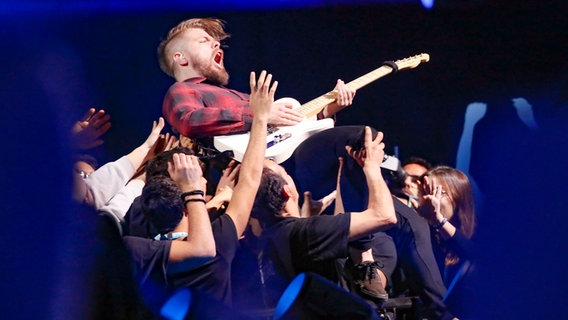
(214, 27)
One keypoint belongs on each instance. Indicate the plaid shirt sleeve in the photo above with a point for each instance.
(199, 110)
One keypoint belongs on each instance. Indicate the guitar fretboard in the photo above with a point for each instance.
(312, 107)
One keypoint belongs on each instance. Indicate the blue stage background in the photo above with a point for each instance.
(69, 56)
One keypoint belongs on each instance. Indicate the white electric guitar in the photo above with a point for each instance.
(282, 142)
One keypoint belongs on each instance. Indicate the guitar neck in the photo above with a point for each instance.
(313, 107)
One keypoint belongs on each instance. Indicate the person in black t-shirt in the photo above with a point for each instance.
(314, 244)
(161, 197)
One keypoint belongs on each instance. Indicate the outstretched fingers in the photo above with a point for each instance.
(88, 115)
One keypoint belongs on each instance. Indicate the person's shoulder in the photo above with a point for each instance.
(400, 206)
(283, 223)
(223, 224)
(188, 84)
(142, 249)
(294, 224)
(325, 218)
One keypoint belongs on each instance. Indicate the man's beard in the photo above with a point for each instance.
(213, 75)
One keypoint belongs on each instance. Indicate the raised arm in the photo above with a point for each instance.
(187, 174)
(106, 181)
(380, 214)
(138, 155)
(261, 99)
(225, 187)
(87, 132)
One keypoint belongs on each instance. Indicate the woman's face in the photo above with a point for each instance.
(446, 202)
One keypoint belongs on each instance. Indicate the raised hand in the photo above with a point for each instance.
(262, 94)
(372, 155)
(165, 142)
(312, 207)
(221, 197)
(229, 177)
(86, 133)
(430, 203)
(186, 172)
(339, 208)
(157, 127)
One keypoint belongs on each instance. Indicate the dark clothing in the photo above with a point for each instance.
(135, 223)
(150, 258)
(213, 277)
(384, 253)
(314, 167)
(197, 109)
(417, 271)
(458, 277)
(295, 245)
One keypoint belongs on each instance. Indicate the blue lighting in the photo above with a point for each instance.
(428, 4)
(72, 6)
(177, 306)
(289, 296)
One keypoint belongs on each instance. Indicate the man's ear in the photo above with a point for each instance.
(286, 192)
(180, 59)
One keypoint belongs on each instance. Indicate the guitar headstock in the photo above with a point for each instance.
(412, 62)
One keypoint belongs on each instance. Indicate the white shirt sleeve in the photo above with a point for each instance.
(120, 203)
(107, 180)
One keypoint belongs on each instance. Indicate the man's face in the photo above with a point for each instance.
(205, 55)
(413, 171)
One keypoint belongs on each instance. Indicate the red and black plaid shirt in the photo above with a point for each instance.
(198, 109)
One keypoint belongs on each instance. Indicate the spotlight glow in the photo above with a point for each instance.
(177, 306)
(289, 296)
(428, 4)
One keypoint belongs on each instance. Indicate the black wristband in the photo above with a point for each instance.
(193, 200)
(440, 224)
(192, 193)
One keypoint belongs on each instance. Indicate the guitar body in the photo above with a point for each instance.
(281, 144)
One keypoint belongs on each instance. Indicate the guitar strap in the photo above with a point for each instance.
(201, 148)
(392, 65)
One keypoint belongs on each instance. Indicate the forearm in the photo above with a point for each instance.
(215, 203)
(106, 181)
(199, 231)
(137, 156)
(120, 203)
(330, 110)
(443, 226)
(380, 203)
(253, 159)
(249, 176)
